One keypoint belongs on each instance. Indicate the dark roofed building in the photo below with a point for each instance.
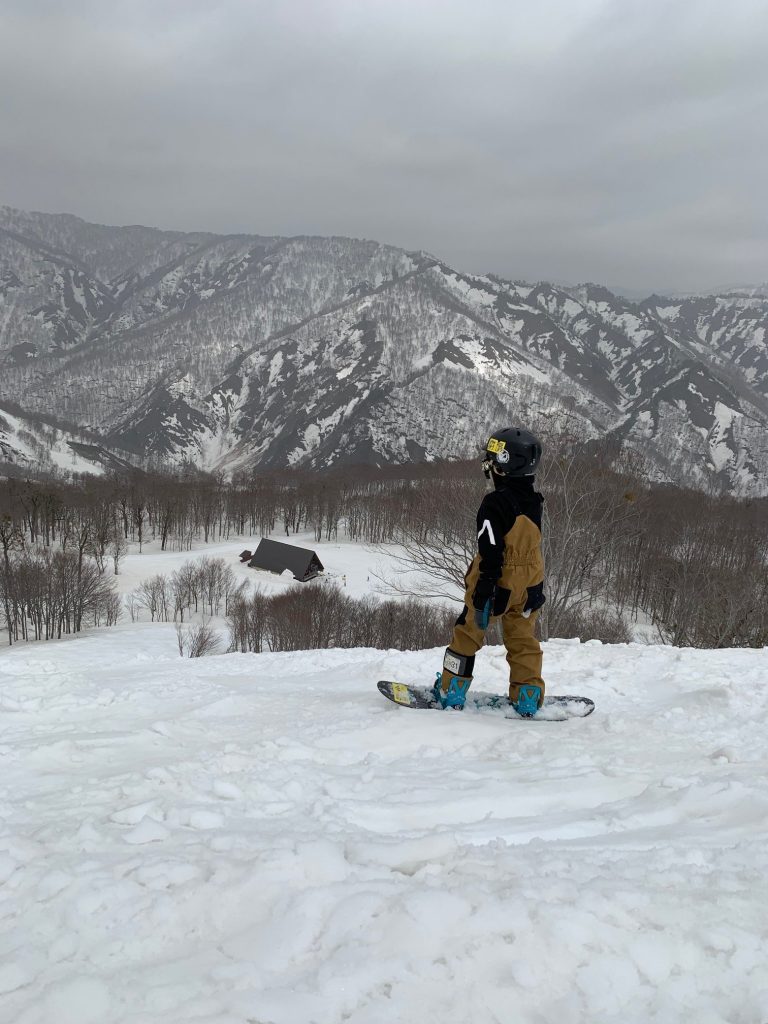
(276, 557)
(246, 556)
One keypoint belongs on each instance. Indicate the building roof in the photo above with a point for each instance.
(275, 556)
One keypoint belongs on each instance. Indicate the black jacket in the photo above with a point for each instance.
(496, 516)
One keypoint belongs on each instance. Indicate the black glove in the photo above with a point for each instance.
(482, 601)
(535, 599)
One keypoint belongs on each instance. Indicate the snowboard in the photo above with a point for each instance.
(556, 707)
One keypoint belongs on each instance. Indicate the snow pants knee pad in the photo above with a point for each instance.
(455, 664)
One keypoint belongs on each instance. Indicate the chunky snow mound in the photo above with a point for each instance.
(265, 838)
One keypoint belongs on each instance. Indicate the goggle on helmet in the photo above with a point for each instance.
(512, 452)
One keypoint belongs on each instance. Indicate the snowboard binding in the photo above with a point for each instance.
(528, 701)
(455, 696)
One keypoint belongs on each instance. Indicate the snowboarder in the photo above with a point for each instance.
(505, 579)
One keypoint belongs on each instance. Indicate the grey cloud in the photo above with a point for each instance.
(610, 141)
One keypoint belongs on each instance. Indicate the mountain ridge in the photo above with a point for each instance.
(234, 351)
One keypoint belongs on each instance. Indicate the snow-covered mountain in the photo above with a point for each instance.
(233, 351)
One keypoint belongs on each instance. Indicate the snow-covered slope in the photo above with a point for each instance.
(30, 444)
(264, 838)
(240, 350)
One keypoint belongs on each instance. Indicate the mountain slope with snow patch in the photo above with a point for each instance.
(31, 445)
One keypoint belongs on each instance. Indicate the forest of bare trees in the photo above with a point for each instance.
(309, 618)
(48, 594)
(618, 549)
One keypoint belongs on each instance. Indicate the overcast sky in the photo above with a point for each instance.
(618, 141)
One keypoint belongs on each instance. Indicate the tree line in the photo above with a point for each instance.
(322, 616)
(47, 594)
(203, 585)
(619, 549)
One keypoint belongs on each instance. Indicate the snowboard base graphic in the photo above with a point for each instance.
(556, 707)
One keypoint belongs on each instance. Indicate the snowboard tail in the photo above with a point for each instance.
(556, 707)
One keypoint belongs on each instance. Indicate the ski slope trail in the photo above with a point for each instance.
(263, 839)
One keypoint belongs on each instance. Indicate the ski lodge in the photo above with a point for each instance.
(276, 557)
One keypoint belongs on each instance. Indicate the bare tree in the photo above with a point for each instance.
(118, 548)
(588, 504)
(133, 604)
(155, 594)
(196, 641)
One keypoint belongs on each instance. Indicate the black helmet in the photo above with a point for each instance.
(512, 452)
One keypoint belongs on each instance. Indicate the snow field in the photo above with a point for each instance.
(264, 838)
(352, 566)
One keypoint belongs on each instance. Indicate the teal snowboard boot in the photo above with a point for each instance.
(526, 699)
(455, 696)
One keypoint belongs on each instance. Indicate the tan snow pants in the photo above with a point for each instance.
(524, 655)
(519, 634)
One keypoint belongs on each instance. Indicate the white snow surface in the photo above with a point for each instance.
(359, 569)
(264, 838)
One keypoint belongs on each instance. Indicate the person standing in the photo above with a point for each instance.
(505, 579)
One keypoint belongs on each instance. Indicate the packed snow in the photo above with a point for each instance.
(263, 838)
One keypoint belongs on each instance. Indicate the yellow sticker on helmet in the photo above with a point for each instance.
(496, 446)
